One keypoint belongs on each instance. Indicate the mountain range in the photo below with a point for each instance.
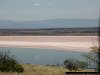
(51, 23)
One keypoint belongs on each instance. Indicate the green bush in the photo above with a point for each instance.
(8, 63)
(18, 68)
(72, 64)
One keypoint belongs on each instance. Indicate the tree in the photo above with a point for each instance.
(72, 64)
(93, 55)
(8, 63)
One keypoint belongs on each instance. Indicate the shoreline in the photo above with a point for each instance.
(76, 43)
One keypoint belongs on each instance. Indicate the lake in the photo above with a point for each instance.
(43, 56)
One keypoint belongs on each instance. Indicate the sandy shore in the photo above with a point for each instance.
(77, 43)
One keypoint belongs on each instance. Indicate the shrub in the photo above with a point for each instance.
(8, 63)
(72, 64)
(18, 68)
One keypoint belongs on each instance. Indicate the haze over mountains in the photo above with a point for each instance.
(53, 23)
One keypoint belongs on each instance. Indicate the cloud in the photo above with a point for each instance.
(37, 4)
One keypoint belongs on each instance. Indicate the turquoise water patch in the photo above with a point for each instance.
(43, 56)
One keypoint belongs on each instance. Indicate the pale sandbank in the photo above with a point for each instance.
(74, 43)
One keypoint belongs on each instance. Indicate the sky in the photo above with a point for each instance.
(26, 10)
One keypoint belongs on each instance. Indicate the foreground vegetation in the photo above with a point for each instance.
(39, 70)
(30, 69)
(8, 63)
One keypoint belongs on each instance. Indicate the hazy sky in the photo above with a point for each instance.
(21, 10)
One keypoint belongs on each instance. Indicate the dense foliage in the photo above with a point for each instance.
(75, 65)
(8, 63)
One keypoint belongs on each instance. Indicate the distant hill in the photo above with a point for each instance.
(53, 23)
(87, 31)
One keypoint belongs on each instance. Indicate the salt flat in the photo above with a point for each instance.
(76, 43)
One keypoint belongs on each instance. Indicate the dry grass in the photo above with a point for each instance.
(39, 70)
(42, 70)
